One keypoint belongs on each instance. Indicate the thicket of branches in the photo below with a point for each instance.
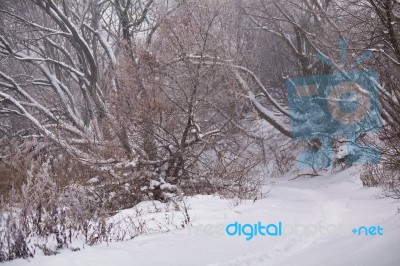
(156, 99)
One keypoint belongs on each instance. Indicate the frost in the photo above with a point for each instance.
(93, 180)
(112, 195)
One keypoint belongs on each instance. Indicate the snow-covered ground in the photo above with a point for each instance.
(317, 214)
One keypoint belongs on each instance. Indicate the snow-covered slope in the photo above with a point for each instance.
(323, 210)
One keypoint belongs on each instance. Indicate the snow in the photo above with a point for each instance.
(335, 200)
(154, 183)
(342, 151)
(106, 45)
(167, 186)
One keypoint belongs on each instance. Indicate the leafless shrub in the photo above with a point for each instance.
(47, 217)
(381, 175)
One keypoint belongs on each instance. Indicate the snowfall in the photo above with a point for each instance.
(317, 214)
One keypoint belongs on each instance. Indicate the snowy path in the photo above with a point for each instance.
(335, 203)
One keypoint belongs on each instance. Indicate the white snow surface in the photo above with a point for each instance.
(335, 200)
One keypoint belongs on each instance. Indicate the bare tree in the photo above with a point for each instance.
(61, 61)
(113, 84)
(194, 110)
